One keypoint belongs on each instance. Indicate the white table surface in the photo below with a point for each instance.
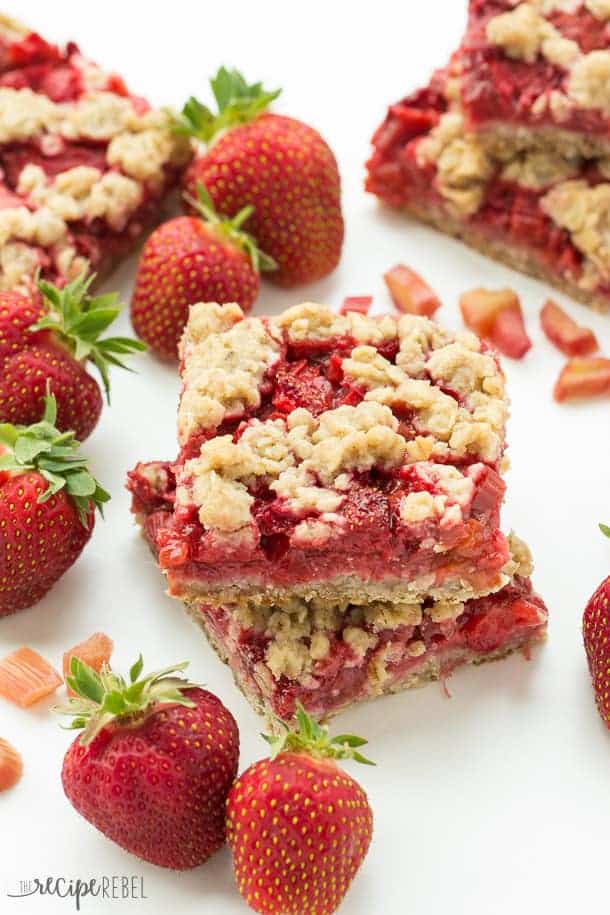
(495, 801)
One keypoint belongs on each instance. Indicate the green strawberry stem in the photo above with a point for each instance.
(311, 737)
(605, 529)
(77, 319)
(238, 102)
(55, 456)
(106, 697)
(231, 229)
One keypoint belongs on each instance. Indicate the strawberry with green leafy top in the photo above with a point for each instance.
(189, 259)
(48, 342)
(154, 764)
(299, 827)
(48, 499)
(279, 165)
(596, 635)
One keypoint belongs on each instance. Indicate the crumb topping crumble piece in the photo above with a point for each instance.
(310, 321)
(585, 212)
(143, 151)
(25, 114)
(523, 33)
(538, 169)
(223, 370)
(589, 81)
(82, 193)
(462, 166)
(17, 260)
(450, 492)
(599, 8)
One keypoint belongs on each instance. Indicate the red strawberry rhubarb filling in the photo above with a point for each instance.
(326, 670)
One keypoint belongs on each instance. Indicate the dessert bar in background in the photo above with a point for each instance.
(507, 148)
(84, 164)
(333, 517)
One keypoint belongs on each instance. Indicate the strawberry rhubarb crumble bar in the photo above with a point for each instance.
(84, 164)
(508, 148)
(536, 73)
(332, 519)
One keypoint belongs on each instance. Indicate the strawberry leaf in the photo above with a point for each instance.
(237, 101)
(231, 229)
(56, 457)
(136, 669)
(78, 319)
(311, 737)
(106, 697)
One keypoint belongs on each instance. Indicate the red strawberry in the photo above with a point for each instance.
(299, 827)
(47, 503)
(154, 764)
(17, 314)
(47, 342)
(279, 165)
(596, 635)
(188, 260)
(24, 380)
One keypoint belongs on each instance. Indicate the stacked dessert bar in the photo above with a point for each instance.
(332, 519)
(84, 165)
(508, 147)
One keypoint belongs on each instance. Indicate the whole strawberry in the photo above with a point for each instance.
(280, 165)
(47, 341)
(596, 635)
(299, 827)
(193, 259)
(47, 506)
(154, 764)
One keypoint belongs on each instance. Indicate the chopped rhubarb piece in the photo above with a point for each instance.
(509, 335)
(410, 293)
(496, 314)
(25, 677)
(94, 651)
(565, 333)
(11, 765)
(359, 303)
(583, 377)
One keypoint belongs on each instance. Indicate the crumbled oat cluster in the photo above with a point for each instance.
(585, 212)
(308, 460)
(135, 154)
(462, 165)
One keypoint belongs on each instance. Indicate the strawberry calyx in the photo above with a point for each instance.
(238, 102)
(105, 697)
(605, 529)
(312, 737)
(77, 319)
(55, 456)
(231, 228)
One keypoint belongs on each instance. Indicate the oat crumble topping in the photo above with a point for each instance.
(308, 460)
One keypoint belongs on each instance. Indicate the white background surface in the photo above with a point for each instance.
(495, 801)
